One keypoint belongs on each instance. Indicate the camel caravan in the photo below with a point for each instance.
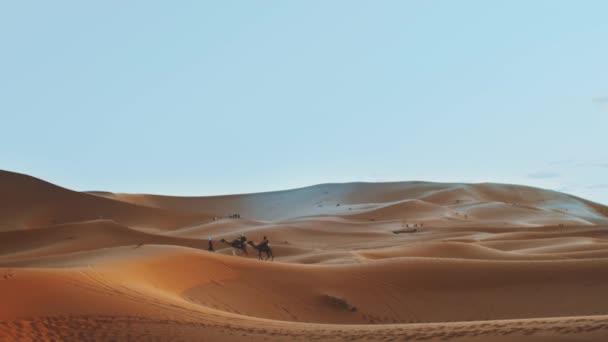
(239, 246)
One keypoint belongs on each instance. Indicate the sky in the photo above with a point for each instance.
(204, 98)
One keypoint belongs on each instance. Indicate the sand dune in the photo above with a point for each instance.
(359, 261)
(27, 202)
(351, 198)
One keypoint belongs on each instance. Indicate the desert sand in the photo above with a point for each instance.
(406, 261)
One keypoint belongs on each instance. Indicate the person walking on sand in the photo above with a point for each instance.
(210, 248)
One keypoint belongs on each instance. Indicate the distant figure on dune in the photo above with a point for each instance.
(237, 244)
(263, 246)
(210, 248)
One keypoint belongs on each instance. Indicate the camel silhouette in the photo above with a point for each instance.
(236, 244)
(262, 247)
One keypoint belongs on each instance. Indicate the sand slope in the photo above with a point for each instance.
(485, 262)
(27, 202)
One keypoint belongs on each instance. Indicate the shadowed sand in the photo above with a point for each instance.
(484, 262)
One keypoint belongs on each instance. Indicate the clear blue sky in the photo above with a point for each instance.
(198, 98)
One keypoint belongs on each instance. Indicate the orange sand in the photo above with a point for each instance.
(490, 262)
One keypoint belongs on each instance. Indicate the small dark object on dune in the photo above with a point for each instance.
(405, 231)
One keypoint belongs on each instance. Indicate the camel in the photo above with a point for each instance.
(237, 244)
(262, 247)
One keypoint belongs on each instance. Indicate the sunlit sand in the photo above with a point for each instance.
(358, 261)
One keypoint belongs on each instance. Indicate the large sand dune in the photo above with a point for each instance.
(359, 261)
